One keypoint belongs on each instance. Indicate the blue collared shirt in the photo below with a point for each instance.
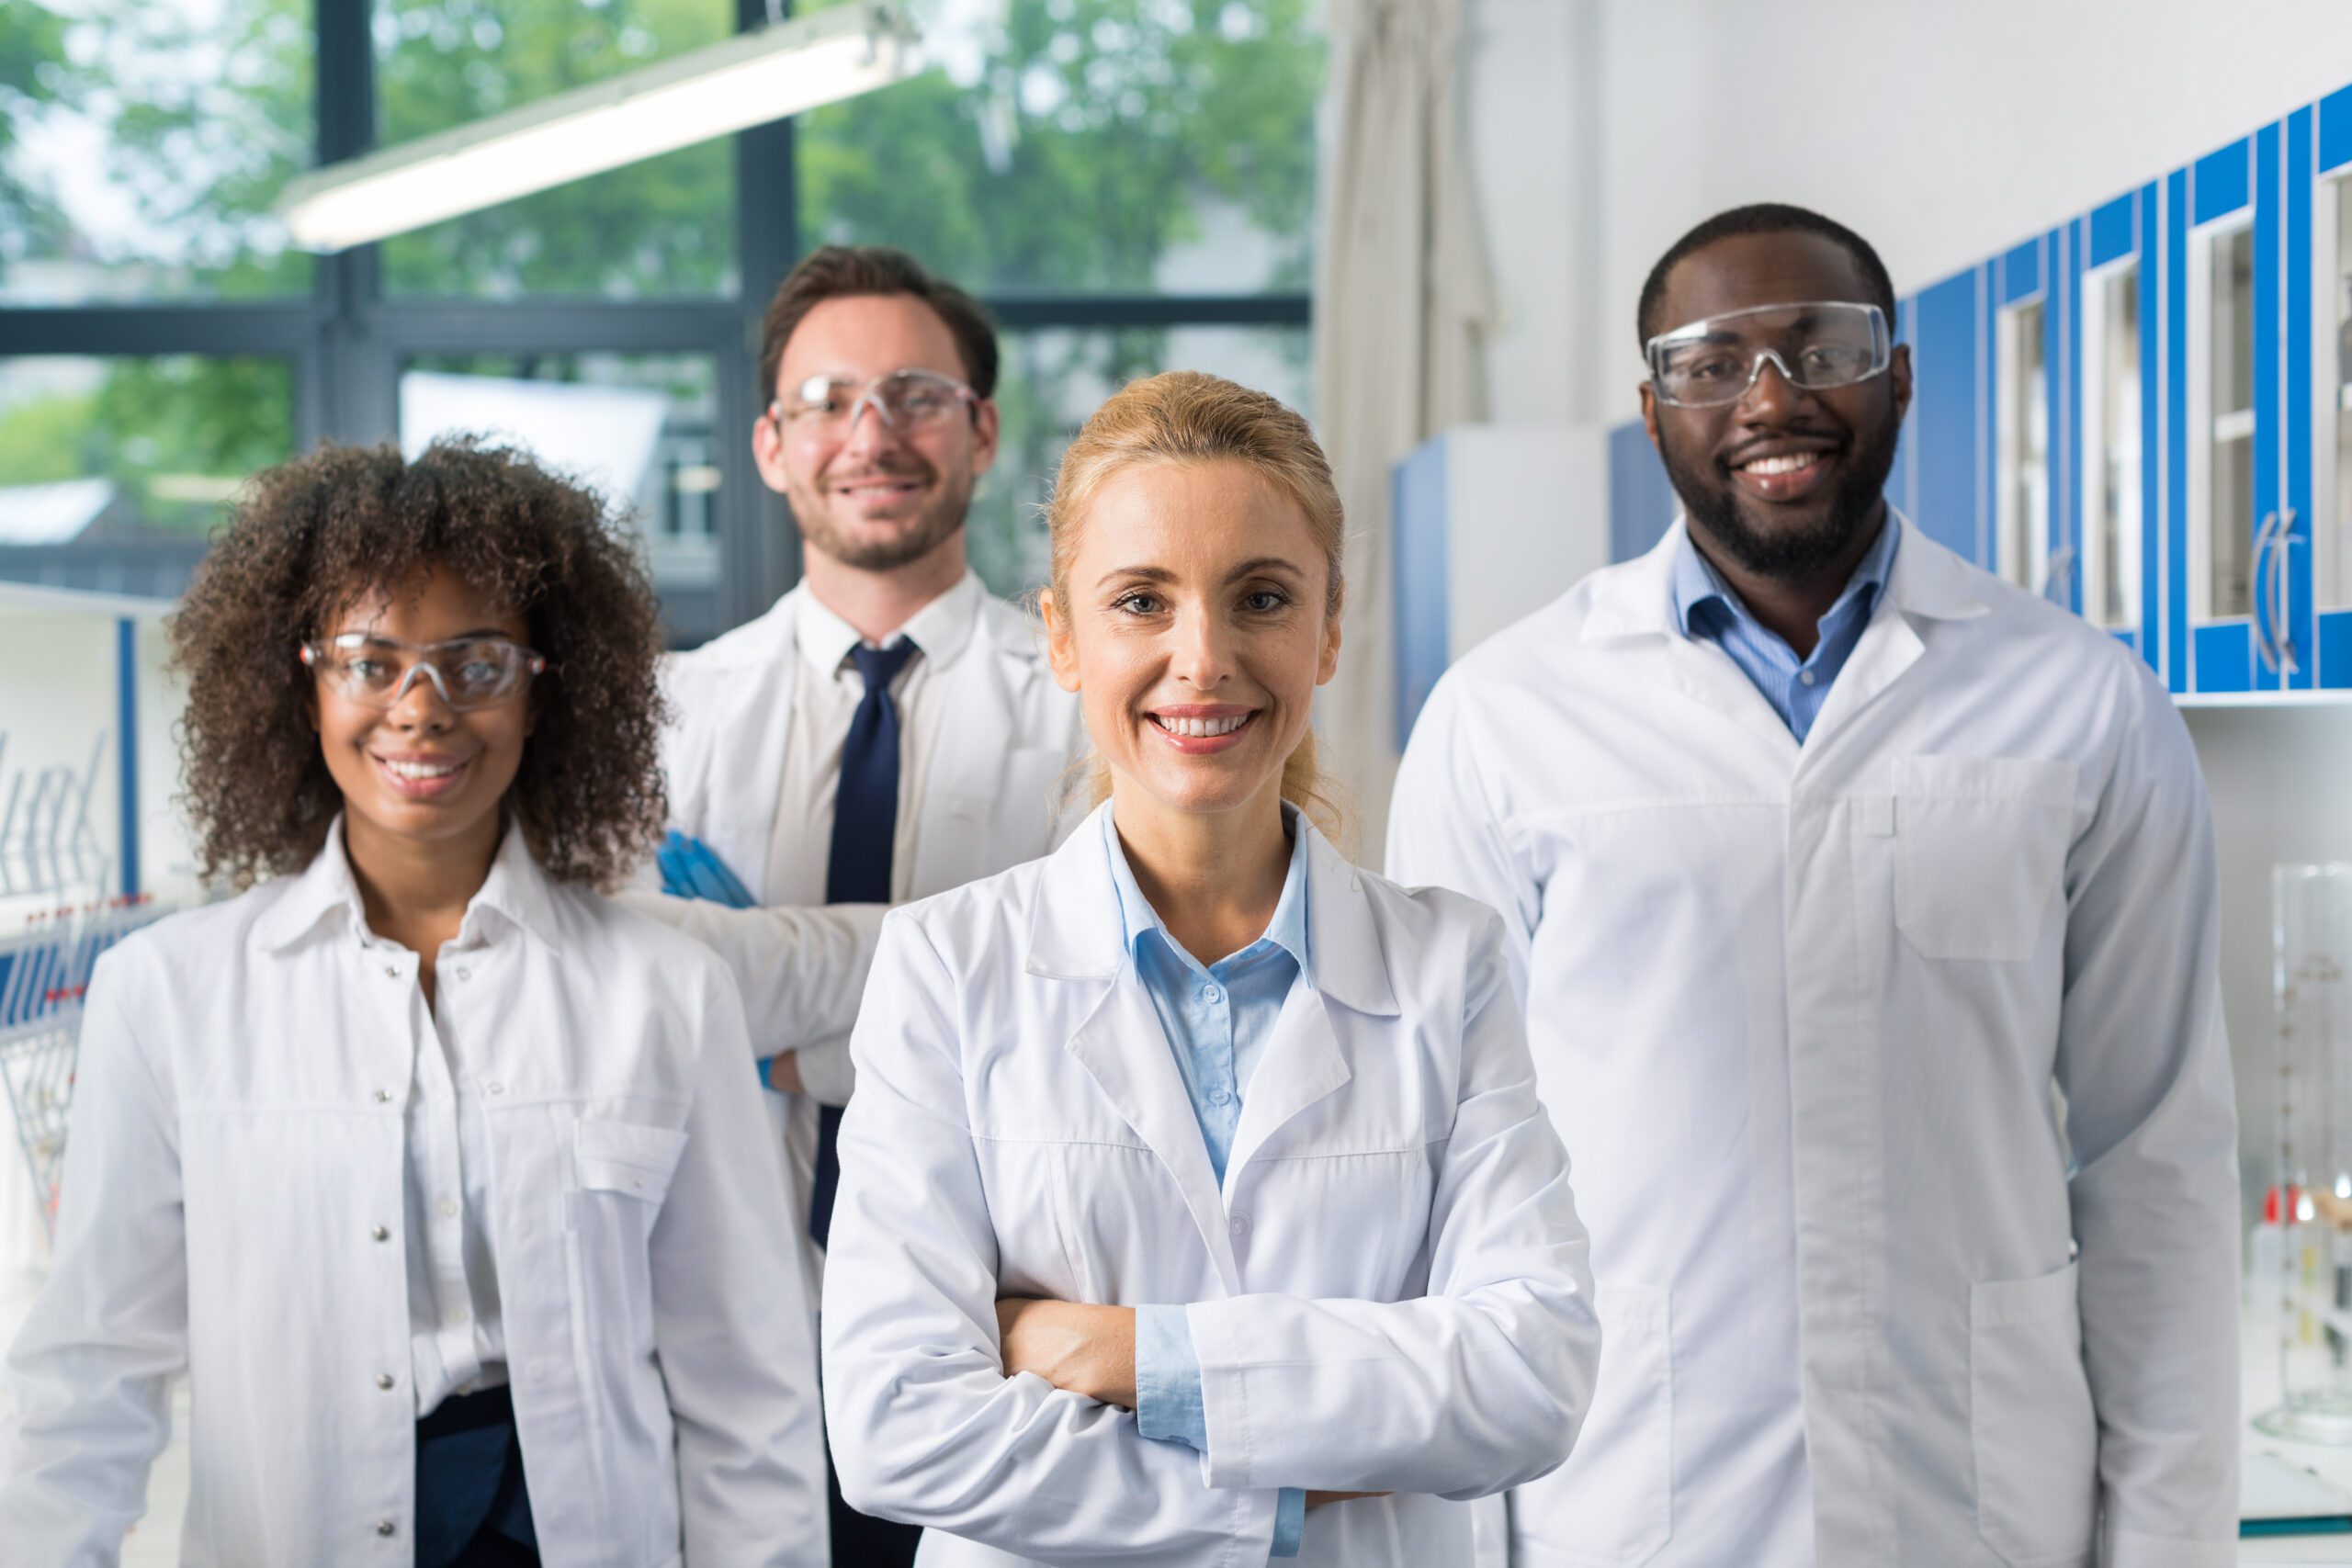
(1708, 608)
(1217, 1019)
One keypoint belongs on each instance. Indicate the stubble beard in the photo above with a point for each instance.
(932, 527)
(1784, 555)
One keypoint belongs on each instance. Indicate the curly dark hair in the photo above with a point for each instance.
(310, 536)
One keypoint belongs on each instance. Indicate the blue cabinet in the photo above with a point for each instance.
(2145, 414)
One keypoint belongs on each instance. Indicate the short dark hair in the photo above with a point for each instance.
(839, 272)
(1764, 218)
(311, 536)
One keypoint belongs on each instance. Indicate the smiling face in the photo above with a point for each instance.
(1784, 482)
(870, 497)
(1193, 620)
(419, 771)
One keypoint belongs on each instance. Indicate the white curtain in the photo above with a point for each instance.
(1401, 296)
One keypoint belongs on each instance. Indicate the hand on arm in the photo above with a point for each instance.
(1088, 1350)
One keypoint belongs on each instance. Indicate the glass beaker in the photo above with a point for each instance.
(2307, 1303)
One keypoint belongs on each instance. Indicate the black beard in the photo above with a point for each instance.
(1785, 556)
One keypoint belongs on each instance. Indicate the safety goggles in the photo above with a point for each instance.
(906, 400)
(377, 672)
(1814, 346)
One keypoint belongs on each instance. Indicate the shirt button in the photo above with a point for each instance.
(1220, 1097)
(378, 1232)
(1805, 676)
(384, 1379)
(1211, 993)
(458, 1317)
(448, 1208)
(385, 1526)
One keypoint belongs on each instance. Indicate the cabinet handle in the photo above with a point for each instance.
(2258, 591)
(2280, 538)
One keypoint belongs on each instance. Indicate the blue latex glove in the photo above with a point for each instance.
(690, 871)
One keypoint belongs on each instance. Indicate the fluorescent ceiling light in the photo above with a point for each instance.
(746, 81)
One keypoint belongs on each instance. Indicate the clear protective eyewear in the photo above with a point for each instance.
(377, 672)
(905, 401)
(1815, 345)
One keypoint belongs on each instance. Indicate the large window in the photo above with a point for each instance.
(1128, 182)
(142, 146)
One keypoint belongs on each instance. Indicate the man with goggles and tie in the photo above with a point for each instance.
(890, 729)
(1825, 859)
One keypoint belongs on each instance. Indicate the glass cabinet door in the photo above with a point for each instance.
(2223, 524)
(2335, 275)
(2112, 487)
(2021, 541)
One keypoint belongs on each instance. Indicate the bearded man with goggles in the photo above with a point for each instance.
(1824, 856)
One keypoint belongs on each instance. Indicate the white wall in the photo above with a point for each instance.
(1601, 129)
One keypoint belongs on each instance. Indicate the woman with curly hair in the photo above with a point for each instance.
(441, 1174)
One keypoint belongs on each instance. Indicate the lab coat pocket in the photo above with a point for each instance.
(1980, 853)
(1614, 1497)
(2035, 1436)
(621, 1172)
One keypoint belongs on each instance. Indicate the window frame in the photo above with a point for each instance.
(347, 339)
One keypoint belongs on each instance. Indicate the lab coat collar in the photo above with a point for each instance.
(1076, 932)
(1638, 598)
(516, 891)
(940, 628)
(1286, 929)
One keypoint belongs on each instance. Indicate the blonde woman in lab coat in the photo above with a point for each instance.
(442, 1176)
(1197, 1206)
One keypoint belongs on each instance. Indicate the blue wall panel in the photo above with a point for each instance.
(1944, 414)
(2297, 393)
(2336, 130)
(2222, 182)
(2152, 440)
(2335, 647)
(1901, 479)
(2067, 517)
(2176, 446)
(1424, 587)
(1642, 504)
(2267, 384)
(2111, 231)
(2225, 657)
(2020, 271)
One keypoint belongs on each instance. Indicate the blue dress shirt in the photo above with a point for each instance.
(1709, 609)
(1217, 1019)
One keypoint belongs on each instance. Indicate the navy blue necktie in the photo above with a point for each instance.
(866, 823)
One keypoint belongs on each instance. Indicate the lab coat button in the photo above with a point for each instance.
(392, 971)
(385, 1526)
(495, 1087)
(448, 1208)
(1240, 1225)
(464, 972)
(384, 1381)
(383, 1096)
(378, 1232)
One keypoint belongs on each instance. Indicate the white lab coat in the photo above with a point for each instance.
(232, 1205)
(1797, 1012)
(1389, 1293)
(1007, 736)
